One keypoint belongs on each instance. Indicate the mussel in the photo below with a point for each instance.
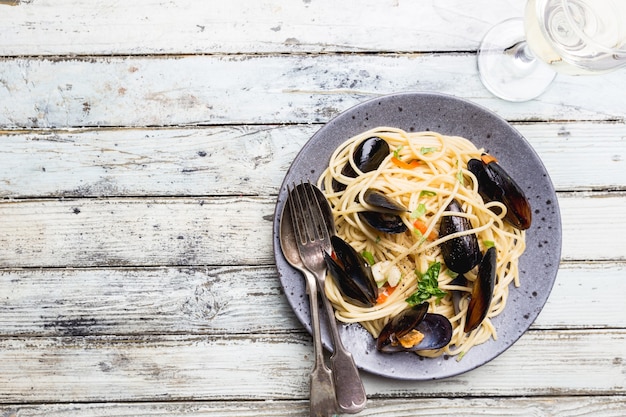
(384, 212)
(461, 253)
(367, 156)
(494, 184)
(351, 273)
(413, 330)
(482, 292)
(381, 203)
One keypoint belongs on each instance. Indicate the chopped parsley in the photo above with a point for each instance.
(427, 285)
(368, 257)
(427, 193)
(419, 211)
(459, 174)
(424, 150)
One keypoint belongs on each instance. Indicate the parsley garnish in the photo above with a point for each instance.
(427, 285)
(424, 150)
(427, 193)
(368, 257)
(419, 211)
(459, 174)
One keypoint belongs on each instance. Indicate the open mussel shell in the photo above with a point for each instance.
(383, 214)
(351, 273)
(384, 222)
(462, 253)
(435, 328)
(482, 292)
(381, 203)
(495, 184)
(367, 156)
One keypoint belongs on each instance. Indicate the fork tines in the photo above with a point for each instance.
(306, 213)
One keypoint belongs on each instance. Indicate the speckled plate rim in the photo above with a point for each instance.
(451, 116)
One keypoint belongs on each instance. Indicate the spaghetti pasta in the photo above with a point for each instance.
(424, 171)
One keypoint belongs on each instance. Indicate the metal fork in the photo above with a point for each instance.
(322, 390)
(317, 216)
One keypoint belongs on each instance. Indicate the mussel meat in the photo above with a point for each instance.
(495, 184)
(413, 330)
(462, 253)
(482, 292)
(351, 273)
(367, 156)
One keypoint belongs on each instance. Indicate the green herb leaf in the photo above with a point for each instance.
(427, 193)
(419, 211)
(427, 285)
(489, 243)
(426, 150)
(451, 273)
(396, 153)
(368, 257)
(459, 177)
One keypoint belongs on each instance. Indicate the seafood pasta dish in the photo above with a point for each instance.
(429, 230)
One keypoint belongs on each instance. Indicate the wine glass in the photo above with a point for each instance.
(518, 58)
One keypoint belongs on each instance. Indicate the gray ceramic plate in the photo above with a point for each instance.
(452, 116)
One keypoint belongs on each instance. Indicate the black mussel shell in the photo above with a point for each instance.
(368, 156)
(495, 184)
(457, 296)
(352, 274)
(482, 293)
(437, 331)
(400, 325)
(460, 254)
(384, 222)
(381, 203)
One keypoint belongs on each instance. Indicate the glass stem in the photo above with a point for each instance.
(521, 52)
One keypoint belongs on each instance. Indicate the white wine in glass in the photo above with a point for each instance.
(518, 58)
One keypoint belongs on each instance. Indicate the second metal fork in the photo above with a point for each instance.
(317, 217)
(322, 391)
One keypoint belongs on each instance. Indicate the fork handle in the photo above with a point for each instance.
(322, 390)
(351, 396)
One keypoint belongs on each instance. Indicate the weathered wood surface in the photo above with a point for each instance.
(61, 27)
(143, 145)
(221, 231)
(244, 89)
(563, 406)
(235, 367)
(235, 300)
(190, 161)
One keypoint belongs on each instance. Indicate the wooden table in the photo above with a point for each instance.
(143, 145)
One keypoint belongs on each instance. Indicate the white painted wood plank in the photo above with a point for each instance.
(586, 295)
(63, 27)
(218, 231)
(109, 369)
(597, 406)
(149, 162)
(227, 300)
(606, 230)
(191, 161)
(211, 300)
(191, 90)
(132, 232)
